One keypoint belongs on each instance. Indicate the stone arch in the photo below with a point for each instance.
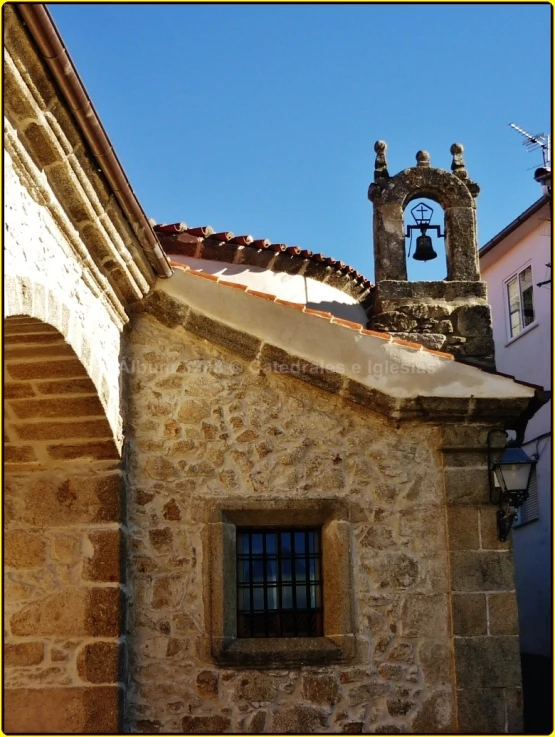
(24, 296)
(390, 199)
(63, 539)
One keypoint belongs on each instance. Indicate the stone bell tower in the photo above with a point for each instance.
(451, 315)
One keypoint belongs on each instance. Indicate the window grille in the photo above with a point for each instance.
(279, 582)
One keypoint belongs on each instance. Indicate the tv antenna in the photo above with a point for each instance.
(532, 143)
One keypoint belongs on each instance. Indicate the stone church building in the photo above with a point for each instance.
(246, 490)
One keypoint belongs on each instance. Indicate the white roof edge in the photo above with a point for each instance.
(393, 369)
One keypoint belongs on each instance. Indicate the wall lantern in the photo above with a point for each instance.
(509, 481)
(422, 215)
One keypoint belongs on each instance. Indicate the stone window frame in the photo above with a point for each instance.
(338, 643)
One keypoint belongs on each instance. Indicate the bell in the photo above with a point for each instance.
(424, 249)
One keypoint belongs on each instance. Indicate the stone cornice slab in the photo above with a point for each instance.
(392, 379)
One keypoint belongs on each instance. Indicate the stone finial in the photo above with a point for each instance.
(458, 165)
(380, 165)
(422, 158)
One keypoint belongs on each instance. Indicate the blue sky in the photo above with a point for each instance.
(261, 119)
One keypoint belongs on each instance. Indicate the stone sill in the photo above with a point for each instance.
(279, 652)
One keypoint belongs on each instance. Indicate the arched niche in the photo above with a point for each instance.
(452, 191)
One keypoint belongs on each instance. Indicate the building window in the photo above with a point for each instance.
(279, 584)
(520, 296)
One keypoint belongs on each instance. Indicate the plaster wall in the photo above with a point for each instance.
(45, 279)
(528, 357)
(290, 287)
(207, 428)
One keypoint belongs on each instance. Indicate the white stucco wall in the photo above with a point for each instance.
(45, 279)
(528, 357)
(290, 287)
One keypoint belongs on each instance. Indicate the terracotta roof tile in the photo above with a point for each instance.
(262, 243)
(442, 354)
(376, 334)
(204, 275)
(264, 295)
(347, 323)
(295, 305)
(233, 284)
(318, 313)
(224, 236)
(408, 344)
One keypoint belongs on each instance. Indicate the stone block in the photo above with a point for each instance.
(467, 486)
(215, 724)
(436, 715)
(50, 500)
(98, 451)
(372, 398)
(463, 527)
(503, 614)
(278, 360)
(47, 370)
(487, 662)
(70, 613)
(425, 616)
(207, 684)
(234, 340)
(469, 614)
(488, 530)
(64, 430)
(107, 562)
(482, 571)
(473, 321)
(435, 658)
(43, 145)
(299, 720)
(26, 409)
(19, 453)
(514, 710)
(99, 662)
(63, 710)
(18, 390)
(255, 687)
(481, 711)
(320, 689)
(24, 549)
(23, 654)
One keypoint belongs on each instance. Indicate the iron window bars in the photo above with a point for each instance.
(279, 582)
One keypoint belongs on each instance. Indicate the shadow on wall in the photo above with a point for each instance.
(537, 686)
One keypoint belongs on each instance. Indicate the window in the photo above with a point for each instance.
(520, 296)
(279, 584)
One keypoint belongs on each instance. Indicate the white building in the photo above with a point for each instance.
(516, 264)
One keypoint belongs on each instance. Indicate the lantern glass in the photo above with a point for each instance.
(513, 471)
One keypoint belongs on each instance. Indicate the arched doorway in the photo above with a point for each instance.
(63, 561)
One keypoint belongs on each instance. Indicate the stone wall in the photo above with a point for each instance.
(205, 428)
(485, 617)
(62, 540)
(449, 316)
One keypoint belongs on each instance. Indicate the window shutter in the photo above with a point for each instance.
(530, 510)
